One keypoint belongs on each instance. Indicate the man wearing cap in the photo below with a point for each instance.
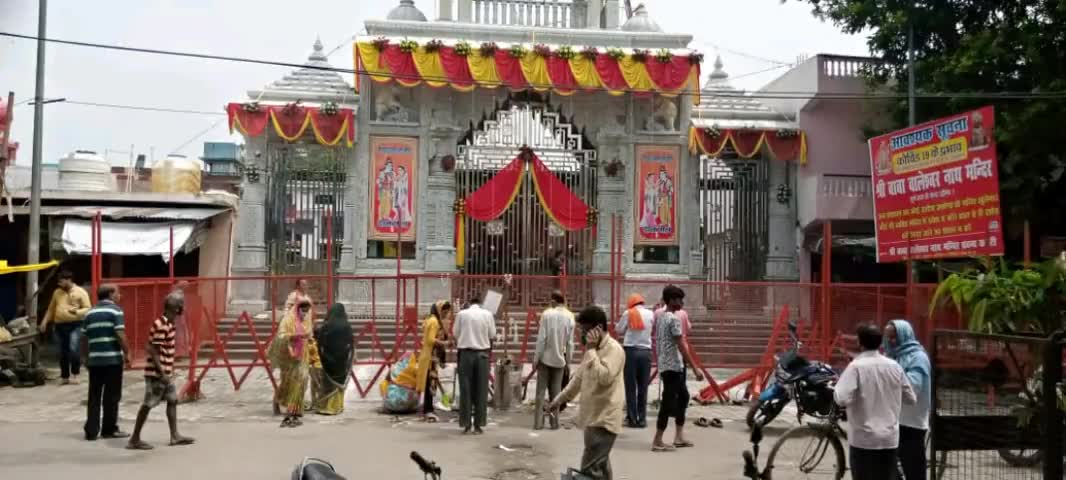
(635, 329)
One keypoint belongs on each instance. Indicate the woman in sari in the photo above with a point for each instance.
(298, 293)
(292, 351)
(433, 336)
(335, 350)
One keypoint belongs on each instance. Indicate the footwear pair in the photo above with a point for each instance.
(113, 435)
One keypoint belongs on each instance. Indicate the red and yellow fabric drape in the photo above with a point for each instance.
(498, 194)
(532, 70)
(748, 143)
(290, 123)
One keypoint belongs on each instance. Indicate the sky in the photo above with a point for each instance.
(751, 36)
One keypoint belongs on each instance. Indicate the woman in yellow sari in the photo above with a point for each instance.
(292, 351)
(433, 336)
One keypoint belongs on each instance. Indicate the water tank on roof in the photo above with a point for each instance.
(85, 171)
(177, 174)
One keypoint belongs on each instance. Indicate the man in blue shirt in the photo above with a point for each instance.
(106, 352)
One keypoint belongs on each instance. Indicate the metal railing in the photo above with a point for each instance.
(531, 13)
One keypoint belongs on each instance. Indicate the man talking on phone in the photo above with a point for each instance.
(600, 382)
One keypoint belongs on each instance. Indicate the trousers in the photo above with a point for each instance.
(872, 464)
(912, 453)
(596, 459)
(105, 393)
(474, 388)
(68, 340)
(637, 375)
(550, 381)
(675, 400)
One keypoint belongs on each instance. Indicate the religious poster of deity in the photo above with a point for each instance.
(656, 190)
(393, 184)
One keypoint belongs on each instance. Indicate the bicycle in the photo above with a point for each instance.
(823, 436)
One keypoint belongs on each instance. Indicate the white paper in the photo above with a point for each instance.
(492, 301)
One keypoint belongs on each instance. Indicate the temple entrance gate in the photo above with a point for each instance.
(734, 195)
(524, 240)
(305, 203)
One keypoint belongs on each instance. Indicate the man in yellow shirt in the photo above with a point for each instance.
(67, 308)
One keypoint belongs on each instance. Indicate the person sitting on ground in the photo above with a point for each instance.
(873, 388)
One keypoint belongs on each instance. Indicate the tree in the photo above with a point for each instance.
(980, 46)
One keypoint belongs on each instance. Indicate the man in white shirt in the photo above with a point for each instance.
(873, 388)
(555, 345)
(635, 327)
(475, 329)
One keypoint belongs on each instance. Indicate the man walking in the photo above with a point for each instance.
(674, 353)
(873, 389)
(599, 381)
(67, 308)
(106, 352)
(635, 327)
(555, 345)
(902, 346)
(158, 375)
(475, 328)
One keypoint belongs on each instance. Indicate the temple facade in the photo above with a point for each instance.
(519, 137)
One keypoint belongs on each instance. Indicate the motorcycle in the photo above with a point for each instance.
(317, 469)
(809, 383)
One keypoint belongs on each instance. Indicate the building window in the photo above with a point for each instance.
(656, 254)
(383, 249)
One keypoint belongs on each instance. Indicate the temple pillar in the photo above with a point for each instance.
(466, 11)
(439, 238)
(781, 255)
(250, 250)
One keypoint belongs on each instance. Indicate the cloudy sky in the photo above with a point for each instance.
(751, 36)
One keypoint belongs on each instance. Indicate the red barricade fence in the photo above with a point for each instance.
(738, 325)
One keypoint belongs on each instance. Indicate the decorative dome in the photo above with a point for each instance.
(407, 11)
(718, 77)
(315, 77)
(641, 22)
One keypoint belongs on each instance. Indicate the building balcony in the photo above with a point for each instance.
(528, 13)
(834, 197)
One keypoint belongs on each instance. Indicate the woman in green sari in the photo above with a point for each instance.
(336, 349)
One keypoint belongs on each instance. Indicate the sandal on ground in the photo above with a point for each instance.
(685, 444)
(138, 446)
(662, 448)
(716, 423)
(430, 418)
(182, 441)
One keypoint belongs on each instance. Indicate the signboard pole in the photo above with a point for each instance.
(827, 275)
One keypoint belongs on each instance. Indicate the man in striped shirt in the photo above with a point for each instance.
(158, 375)
(104, 348)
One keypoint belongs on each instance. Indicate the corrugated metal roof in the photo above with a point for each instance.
(118, 213)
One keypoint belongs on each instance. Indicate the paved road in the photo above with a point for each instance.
(373, 448)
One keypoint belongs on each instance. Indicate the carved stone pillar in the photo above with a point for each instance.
(353, 182)
(440, 195)
(250, 255)
(781, 252)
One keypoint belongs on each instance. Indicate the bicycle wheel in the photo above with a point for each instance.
(807, 452)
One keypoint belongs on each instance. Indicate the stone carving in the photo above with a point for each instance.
(388, 107)
(663, 117)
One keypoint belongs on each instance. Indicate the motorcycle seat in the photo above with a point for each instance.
(315, 469)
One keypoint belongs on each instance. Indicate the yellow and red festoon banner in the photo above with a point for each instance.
(386, 62)
(656, 190)
(393, 188)
(291, 122)
(936, 189)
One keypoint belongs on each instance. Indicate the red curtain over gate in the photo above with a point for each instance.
(494, 198)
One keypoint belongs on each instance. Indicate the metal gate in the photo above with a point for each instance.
(734, 194)
(305, 203)
(524, 240)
